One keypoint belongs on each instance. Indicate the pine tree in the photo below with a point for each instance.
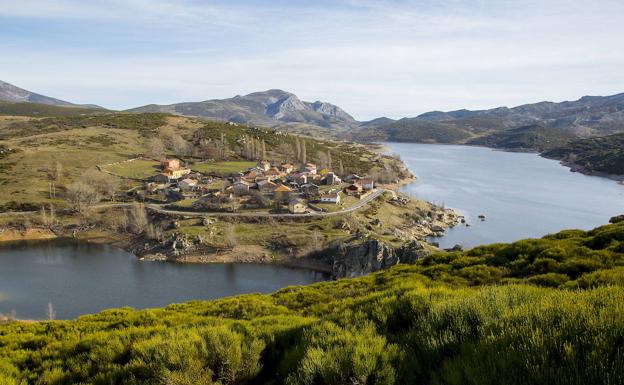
(297, 149)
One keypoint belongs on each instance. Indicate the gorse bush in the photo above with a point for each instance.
(506, 322)
(560, 260)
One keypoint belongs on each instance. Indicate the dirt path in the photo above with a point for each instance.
(160, 209)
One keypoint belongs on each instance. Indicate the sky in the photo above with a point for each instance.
(372, 58)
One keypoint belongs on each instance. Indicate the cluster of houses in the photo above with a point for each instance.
(284, 183)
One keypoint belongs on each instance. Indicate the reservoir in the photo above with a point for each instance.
(521, 195)
(79, 278)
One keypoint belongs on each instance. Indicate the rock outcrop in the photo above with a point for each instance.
(373, 255)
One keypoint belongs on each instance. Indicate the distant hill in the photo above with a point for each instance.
(553, 123)
(14, 94)
(11, 93)
(604, 155)
(274, 108)
(535, 137)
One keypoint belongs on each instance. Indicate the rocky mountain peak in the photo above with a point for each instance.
(331, 110)
(285, 106)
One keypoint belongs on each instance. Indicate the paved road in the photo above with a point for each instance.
(363, 202)
(160, 209)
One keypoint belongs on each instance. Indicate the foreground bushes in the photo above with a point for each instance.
(565, 259)
(392, 327)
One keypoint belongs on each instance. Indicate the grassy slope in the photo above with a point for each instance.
(223, 168)
(39, 110)
(80, 143)
(529, 138)
(396, 326)
(295, 235)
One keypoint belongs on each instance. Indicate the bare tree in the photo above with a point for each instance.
(58, 171)
(43, 216)
(263, 150)
(322, 159)
(82, 196)
(105, 184)
(297, 149)
(137, 218)
(154, 231)
(229, 236)
(155, 148)
(316, 241)
(109, 185)
(286, 152)
(180, 146)
(52, 215)
(50, 312)
(207, 150)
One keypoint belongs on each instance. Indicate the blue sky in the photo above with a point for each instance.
(373, 58)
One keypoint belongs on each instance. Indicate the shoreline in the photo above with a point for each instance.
(145, 249)
(573, 167)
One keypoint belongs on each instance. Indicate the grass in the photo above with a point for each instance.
(391, 327)
(35, 109)
(185, 203)
(25, 174)
(135, 169)
(222, 168)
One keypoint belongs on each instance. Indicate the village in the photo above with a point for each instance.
(278, 188)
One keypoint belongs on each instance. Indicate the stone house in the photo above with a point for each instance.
(297, 206)
(310, 189)
(187, 184)
(353, 189)
(332, 179)
(265, 186)
(240, 187)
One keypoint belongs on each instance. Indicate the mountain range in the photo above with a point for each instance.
(273, 108)
(527, 127)
(530, 127)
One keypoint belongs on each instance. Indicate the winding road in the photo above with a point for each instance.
(160, 209)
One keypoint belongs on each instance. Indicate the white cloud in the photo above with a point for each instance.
(372, 58)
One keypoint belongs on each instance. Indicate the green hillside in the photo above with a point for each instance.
(535, 137)
(417, 131)
(547, 311)
(602, 155)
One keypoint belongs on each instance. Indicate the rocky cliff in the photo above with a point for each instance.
(373, 255)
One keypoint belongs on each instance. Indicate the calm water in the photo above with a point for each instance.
(81, 278)
(522, 195)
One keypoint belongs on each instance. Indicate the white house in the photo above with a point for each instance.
(368, 184)
(330, 198)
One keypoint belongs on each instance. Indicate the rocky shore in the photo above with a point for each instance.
(361, 255)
